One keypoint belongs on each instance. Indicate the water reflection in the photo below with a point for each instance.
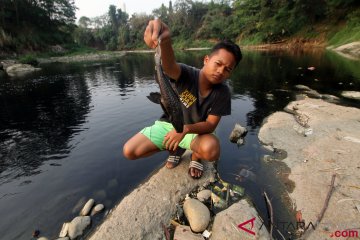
(37, 120)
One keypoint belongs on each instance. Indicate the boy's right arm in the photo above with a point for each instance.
(155, 30)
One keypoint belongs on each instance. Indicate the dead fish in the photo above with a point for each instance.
(169, 98)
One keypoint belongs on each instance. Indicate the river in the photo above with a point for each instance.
(62, 130)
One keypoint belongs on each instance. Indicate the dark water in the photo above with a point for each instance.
(62, 130)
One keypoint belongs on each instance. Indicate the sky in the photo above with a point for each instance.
(94, 8)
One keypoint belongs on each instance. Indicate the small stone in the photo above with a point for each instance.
(86, 209)
(63, 238)
(43, 238)
(302, 87)
(197, 214)
(203, 195)
(98, 208)
(64, 230)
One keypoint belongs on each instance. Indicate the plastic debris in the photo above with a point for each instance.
(206, 234)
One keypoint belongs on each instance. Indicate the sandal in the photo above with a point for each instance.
(197, 165)
(174, 158)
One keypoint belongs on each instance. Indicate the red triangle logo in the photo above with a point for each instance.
(251, 221)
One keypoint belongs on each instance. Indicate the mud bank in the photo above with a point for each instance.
(330, 150)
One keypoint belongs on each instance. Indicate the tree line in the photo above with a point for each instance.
(192, 23)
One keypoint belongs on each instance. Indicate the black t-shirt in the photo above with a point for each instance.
(195, 108)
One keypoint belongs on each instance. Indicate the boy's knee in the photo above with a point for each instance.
(211, 150)
(128, 152)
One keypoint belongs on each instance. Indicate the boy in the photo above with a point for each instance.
(204, 96)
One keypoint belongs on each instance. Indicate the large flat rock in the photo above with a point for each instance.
(333, 148)
(140, 215)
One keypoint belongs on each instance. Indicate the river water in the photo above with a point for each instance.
(62, 130)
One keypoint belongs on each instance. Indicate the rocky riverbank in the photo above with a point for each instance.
(147, 212)
(323, 145)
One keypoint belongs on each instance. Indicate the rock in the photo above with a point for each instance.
(87, 207)
(351, 95)
(226, 220)
(63, 238)
(184, 233)
(330, 98)
(43, 238)
(78, 225)
(20, 69)
(96, 209)
(197, 214)
(7, 63)
(237, 133)
(350, 50)
(302, 87)
(203, 195)
(313, 94)
(64, 230)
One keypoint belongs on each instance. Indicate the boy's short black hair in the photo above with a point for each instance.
(229, 46)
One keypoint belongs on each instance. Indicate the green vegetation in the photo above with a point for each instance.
(28, 26)
(350, 33)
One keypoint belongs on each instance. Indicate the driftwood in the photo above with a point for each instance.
(326, 204)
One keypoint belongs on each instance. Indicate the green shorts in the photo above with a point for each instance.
(157, 132)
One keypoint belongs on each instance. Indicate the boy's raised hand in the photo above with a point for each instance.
(156, 30)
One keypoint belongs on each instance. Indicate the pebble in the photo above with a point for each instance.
(64, 230)
(203, 195)
(96, 209)
(197, 214)
(43, 238)
(86, 209)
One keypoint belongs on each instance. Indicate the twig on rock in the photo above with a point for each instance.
(326, 204)
(270, 212)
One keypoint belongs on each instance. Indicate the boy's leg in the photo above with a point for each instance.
(139, 146)
(204, 147)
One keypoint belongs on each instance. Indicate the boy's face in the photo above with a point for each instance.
(218, 66)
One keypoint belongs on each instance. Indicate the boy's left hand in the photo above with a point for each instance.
(172, 140)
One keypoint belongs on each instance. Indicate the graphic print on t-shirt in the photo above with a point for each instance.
(187, 98)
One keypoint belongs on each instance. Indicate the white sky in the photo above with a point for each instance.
(94, 8)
